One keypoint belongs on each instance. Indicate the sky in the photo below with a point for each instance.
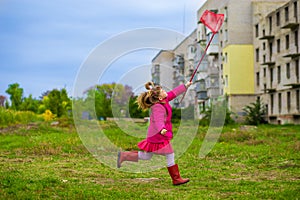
(45, 44)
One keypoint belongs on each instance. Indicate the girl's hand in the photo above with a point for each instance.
(188, 84)
(163, 131)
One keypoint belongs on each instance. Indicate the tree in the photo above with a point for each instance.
(109, 100)
(134, 111)
(255, 113)
(57, 101)
(16, 95)
(30, 104)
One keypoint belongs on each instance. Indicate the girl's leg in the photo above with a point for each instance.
(174, 171)
(127, 156)
(145, 155)
(170, 159)
(133, 156)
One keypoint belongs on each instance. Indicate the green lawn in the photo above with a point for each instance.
(43, 162)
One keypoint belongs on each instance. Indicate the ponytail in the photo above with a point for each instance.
(146, 99)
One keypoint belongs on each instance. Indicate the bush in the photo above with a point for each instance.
(10, 117)
(255, 113)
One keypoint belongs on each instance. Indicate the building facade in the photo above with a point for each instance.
(276, 64)
(254, 55)
(171, 68)
(234, 59)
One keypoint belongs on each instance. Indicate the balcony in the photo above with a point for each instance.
(212, 82)
(200, 86)
(270, 90)
(191, 52)
(293, 85)
(201, 33)
(203, 65)
(293, 52)
(269, 62)
(267, 37)
(201, 90)
(213, 92)
(292, 23)
(202, 95)
(178, 62)
(212, 71)
(213, 48)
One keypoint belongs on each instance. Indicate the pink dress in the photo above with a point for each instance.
(160, 118)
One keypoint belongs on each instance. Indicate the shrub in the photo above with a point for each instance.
(48, 115)
(255, 113)
(11, 117)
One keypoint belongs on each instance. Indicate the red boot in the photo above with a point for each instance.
(127, 156)
(175, 175)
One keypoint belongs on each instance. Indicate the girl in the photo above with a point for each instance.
(159, 131)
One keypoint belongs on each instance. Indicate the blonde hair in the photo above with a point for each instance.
(146, 99)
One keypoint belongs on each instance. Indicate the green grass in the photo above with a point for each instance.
(44, 162)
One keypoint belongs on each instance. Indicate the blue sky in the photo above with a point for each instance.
(44, 43)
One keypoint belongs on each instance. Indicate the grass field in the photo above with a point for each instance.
(44, 162)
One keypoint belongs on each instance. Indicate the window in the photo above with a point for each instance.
(279, 102)
(225, 58)
(257, 78)
(272, 103)
(257, 55)
(265, 72)
(278, 18)
(286, 13)
(278, 74)
(278, 45)
(157, 68)
(256, 30)
(288, 101)
(270, 49)
(296, 38)
(226, 80)
(264, 58)
(271, 75)
(298, 99)
(264, 32)
(264, 46)
(295, 9)
(297, 69)
(287, 42)
(270, 24)
(288, 71)
(265, 88)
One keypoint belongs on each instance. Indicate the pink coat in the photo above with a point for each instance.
(160, 117)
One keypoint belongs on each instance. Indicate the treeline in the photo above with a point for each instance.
(99, 102)
(55, 101)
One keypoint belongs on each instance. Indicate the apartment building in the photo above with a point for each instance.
(171, 68)
(276, 64)
(231, 55)
(254, 55)
(162, 68)
(183, 64)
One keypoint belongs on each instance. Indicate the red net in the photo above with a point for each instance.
(212, 20)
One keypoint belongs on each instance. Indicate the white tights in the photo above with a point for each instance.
(148, 155)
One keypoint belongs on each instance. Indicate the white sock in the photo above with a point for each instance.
(170, 159)
(145, 155)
